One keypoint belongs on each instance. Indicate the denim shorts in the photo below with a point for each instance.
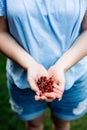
(72, 106)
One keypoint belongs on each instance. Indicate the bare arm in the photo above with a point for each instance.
(70, 58)
(77, 51)
(10, 48)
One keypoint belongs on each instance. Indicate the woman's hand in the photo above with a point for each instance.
(34, 72)
(58, 75)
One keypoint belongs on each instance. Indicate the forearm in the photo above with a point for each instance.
(75, 53)
(11, 49)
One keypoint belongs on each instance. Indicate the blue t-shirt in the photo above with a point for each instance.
(46, 29)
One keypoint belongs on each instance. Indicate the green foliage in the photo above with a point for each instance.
(8, 121)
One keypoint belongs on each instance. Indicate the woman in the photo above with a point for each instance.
(45, 38)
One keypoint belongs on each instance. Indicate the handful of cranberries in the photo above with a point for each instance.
(44, 84)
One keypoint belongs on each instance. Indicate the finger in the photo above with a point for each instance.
(43, 98)
(37, 98)
(59, 97)
(49, 100)
(50, 95)
(57, 91)
(33, 85)
(58, 94)
(58, 87)
(46, 99)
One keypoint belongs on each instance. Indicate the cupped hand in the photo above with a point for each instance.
(58, 75)
(34, 72)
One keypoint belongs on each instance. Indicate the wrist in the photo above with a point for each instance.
(29, 62)
(62, 65)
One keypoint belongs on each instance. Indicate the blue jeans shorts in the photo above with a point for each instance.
(72, 106)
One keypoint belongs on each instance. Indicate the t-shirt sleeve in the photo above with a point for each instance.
(3, 8)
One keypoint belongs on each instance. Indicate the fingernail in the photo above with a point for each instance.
(36, 99)
(60, 99)
(38, 93)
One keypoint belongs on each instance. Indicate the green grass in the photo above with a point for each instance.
(8, 121)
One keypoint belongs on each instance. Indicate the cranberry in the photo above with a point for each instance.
(44, 84)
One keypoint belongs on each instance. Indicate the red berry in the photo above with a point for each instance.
(44, 84)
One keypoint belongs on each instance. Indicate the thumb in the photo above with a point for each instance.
(33, 85)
